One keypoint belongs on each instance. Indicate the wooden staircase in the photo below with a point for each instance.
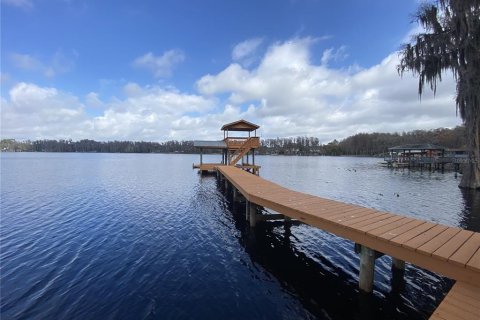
(243, 150)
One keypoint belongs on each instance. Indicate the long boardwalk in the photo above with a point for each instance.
(452, 252)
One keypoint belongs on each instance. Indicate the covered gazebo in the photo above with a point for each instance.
(234, 148)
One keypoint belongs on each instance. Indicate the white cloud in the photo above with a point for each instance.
(132, 89)
(22, 4)
(42, 112)
(160, 66)
(287, 94)
(244, 51)
(293, 96)
(148, 113)
(25, 61)
(334, 55)
(59, 63)
(92, 99)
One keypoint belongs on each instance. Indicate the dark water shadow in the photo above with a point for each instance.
(470, 216)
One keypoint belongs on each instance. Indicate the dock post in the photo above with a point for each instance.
(247, 210)
(226, 184)
(367, 269)
(287, 226)
(398, 274)
(235, 194)
(398, 264)
(252, 214)
(287, 222)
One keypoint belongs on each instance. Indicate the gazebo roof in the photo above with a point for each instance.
(424, 146)
(240, 125)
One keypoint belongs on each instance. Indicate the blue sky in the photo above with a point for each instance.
(146, 70)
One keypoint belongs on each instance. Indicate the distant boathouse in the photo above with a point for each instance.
(427, 155)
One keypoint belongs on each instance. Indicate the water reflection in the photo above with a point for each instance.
(470, 215)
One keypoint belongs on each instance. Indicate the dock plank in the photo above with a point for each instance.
(474, 262)
(380, 224)
(467, 250)
(380, 218)
(388, 235)
(452, 245)
(391, 226)
(349, 215)
(425, 237)
(432, 245)
(412, 233)
(338, 214)
(369, 215)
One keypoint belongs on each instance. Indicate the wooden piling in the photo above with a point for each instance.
(235, 194)
(398, 275)
(252, 214)
(367, 269)
(398, 264)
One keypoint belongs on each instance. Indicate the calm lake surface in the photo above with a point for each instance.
(143, 236)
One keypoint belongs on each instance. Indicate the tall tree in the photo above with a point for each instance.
(451, 41)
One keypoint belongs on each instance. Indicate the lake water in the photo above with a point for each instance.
(143, 236)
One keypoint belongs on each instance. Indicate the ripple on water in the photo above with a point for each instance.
(120, 236)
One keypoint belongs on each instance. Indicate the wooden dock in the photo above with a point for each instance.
(462, 302)
(452, 252)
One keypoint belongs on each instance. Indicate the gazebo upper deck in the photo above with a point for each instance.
(239, 126)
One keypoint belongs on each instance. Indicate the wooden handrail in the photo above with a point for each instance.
(243, 149)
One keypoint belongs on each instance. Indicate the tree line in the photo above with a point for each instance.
(362, 144)
(87, 145)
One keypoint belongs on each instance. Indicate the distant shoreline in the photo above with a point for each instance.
(358, 145)
(197, 153)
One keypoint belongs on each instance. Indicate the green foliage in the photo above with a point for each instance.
(363, 144)
(97, 146)
(451, 42)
